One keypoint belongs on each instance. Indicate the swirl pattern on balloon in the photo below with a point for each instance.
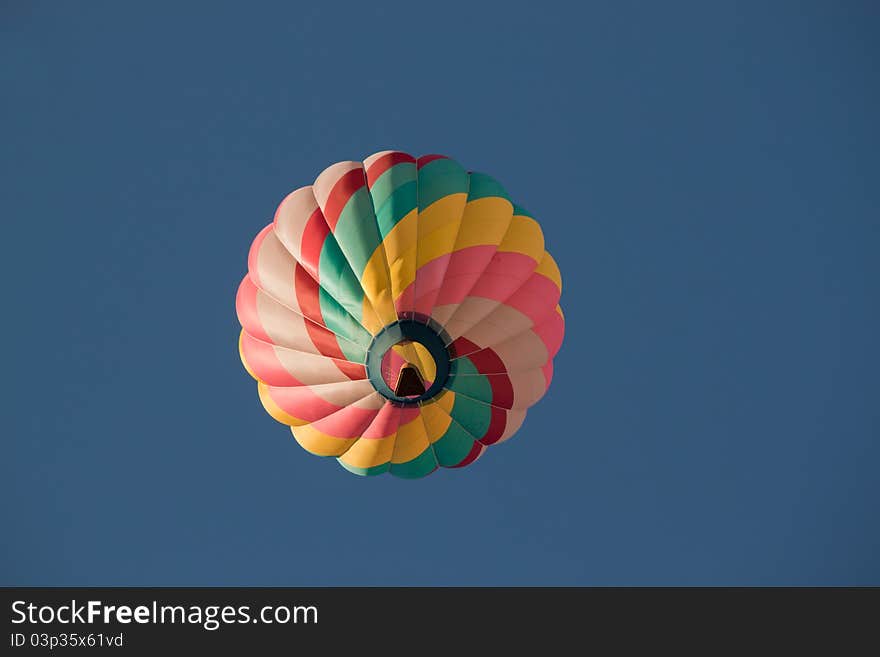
(400, 314)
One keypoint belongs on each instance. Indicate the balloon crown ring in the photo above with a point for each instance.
(411, 387)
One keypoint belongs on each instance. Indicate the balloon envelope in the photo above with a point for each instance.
(400, 314)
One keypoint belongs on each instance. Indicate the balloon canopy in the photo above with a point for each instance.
(400, 314)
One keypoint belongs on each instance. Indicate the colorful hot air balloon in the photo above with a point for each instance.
(400, 314)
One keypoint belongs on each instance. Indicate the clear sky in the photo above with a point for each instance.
(706, 175)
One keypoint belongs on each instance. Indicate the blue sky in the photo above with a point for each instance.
(707, 178)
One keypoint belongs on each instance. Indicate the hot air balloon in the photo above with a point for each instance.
(400, 314)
